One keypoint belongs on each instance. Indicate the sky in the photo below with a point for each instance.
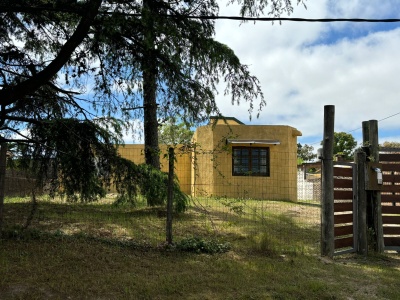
(304, 66)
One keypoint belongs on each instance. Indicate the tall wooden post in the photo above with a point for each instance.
(361, 194)
(171, 157)
(327, 209)
(376, 195)
(367, 149)
(365, 134)
(374, 207)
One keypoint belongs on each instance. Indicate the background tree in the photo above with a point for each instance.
(172, 134)
(344, 144)
(388, 144)
(44, 62)
(50, 55)
(175, 64)
(305, 153)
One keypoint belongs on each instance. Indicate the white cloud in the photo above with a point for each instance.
(363, 8)
(299, 75)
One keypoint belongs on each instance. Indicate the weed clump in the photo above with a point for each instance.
(200, 245)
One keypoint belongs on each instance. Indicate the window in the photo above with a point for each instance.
(247, 161)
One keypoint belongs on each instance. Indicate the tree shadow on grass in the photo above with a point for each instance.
(106, 221)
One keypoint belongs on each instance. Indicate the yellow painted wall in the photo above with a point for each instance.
(202, 162)
(213, 176)
(135, 153)
(207, 171)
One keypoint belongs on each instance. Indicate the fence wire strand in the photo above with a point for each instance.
(263, 221)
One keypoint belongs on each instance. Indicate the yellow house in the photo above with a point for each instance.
(135, 153)
(231, 159)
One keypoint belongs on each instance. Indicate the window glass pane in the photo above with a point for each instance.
(244, 169)
(250, 161)
(236, 152)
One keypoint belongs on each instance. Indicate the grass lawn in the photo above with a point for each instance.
(98, 251)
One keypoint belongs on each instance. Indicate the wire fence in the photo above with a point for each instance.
(288, 225)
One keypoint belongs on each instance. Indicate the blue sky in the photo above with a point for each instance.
(304, 66)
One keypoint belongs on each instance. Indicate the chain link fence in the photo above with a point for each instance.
(288, 225)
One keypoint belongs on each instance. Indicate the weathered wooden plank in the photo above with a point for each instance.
(391, 210)
(390, 188)
(392, 241)
(389, 149)
(390, 198)
(390, 219)
(344, 243)
(391, 167)
(389, 157)
(390, 178)
(342, 219)
(343, 172)
(342, 195)
(343, 206)
(343, 230)
(343, 183)
(391, 230)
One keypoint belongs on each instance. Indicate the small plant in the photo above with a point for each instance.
(234, 205)
(264, 243)
(199, 245)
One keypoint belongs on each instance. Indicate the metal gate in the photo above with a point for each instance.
(345, 207)
(390, 197)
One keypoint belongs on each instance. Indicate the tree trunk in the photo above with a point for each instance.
(149, 68)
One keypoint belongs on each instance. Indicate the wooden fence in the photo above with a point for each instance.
(344, 207)
(390, 197)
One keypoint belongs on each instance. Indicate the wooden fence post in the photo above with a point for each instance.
(327, 209)
(374, 207)
(361, 194)
(376, 195)
(170, 197)
(367, 149)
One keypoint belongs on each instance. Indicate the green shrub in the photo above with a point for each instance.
(199, 245)
(149, 182)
